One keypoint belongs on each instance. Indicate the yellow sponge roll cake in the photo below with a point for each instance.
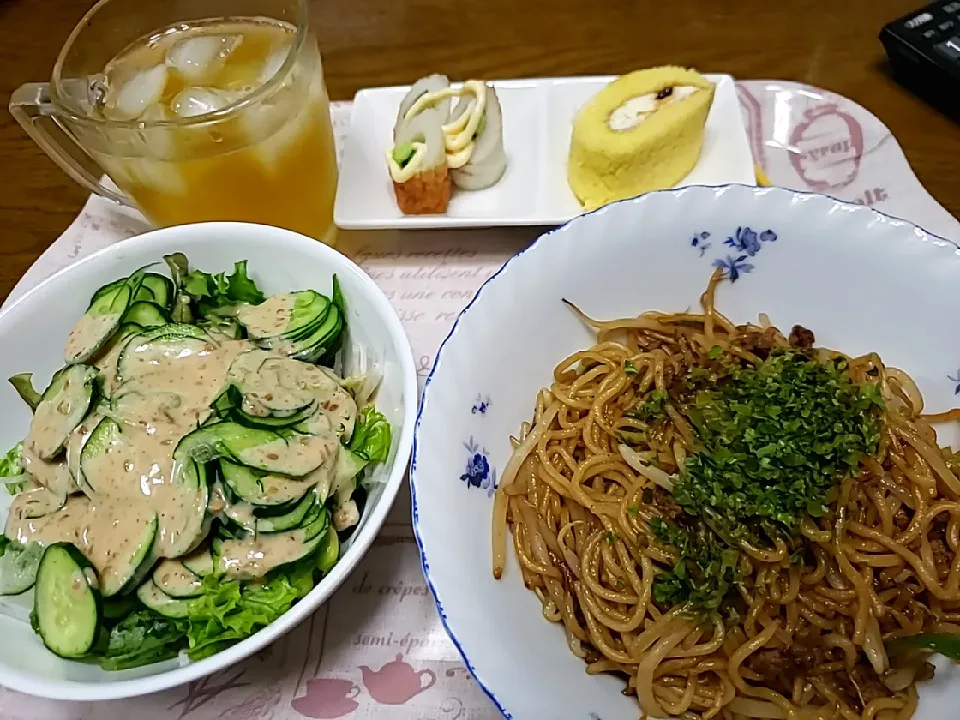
(642, 132)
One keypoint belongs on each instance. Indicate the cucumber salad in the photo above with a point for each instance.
(192, 470)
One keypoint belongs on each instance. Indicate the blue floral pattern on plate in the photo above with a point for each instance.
(481, 405)
(955, 381)
(479, 473)
(745, 242)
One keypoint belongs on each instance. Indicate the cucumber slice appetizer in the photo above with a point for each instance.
(261, 489)
(102, 318)
(139, 434)
(173, 578)
(63, 406)
(66, 603)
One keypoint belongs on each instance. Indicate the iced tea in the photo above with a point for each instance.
(230, 121)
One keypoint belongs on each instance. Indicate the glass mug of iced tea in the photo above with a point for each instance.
(196, 109)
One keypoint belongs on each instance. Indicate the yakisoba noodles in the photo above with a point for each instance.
(804, 619)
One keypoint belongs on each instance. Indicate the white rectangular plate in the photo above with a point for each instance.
(537, 119)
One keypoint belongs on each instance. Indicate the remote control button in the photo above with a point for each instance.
(932, 35)
(951, 8)
(918, 20)
(947, 26)
(951, 47)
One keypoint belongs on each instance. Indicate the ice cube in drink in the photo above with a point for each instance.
(186, 154)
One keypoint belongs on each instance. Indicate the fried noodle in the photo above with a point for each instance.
(578, 500)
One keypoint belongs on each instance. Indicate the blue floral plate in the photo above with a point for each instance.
(861, 280)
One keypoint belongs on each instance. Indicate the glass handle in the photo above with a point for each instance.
(30, 106)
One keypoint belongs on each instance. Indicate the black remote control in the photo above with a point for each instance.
(924, 52)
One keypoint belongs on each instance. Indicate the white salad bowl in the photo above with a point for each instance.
(33, 331)
(862, 281)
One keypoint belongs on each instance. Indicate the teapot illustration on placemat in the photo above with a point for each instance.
(396, 682)
(327, 698)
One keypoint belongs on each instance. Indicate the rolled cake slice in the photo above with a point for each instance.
(418, 166)
(488, 161)
(643, 131)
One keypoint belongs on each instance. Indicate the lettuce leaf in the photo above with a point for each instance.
(371, 436)
(11, 465)
(203, 294)
(230, 611)
(142, 638)
(226, 612)
(212, 292)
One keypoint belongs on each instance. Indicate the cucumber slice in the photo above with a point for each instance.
(256, 375)
(63, 406)
(103, 435)
(315, 530)
(287, 315)
(160, 287)
(283, 452)
(261, 489)
(106, 358)
(144, 294)
(108, 291)
(173, 578)
(161, 603)
(184, 538)
(329, 553)
(122, 559)
(146, 314)
(174, 331)
(230, 404)
(199, 562)
(253, 556)
(172, 338)
(101, 320)
(223, 328)
(66, 603)
(300, 515)
(134, 406)
(18, 567)
(325, 339)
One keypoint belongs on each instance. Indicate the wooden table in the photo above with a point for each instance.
(386, 42)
